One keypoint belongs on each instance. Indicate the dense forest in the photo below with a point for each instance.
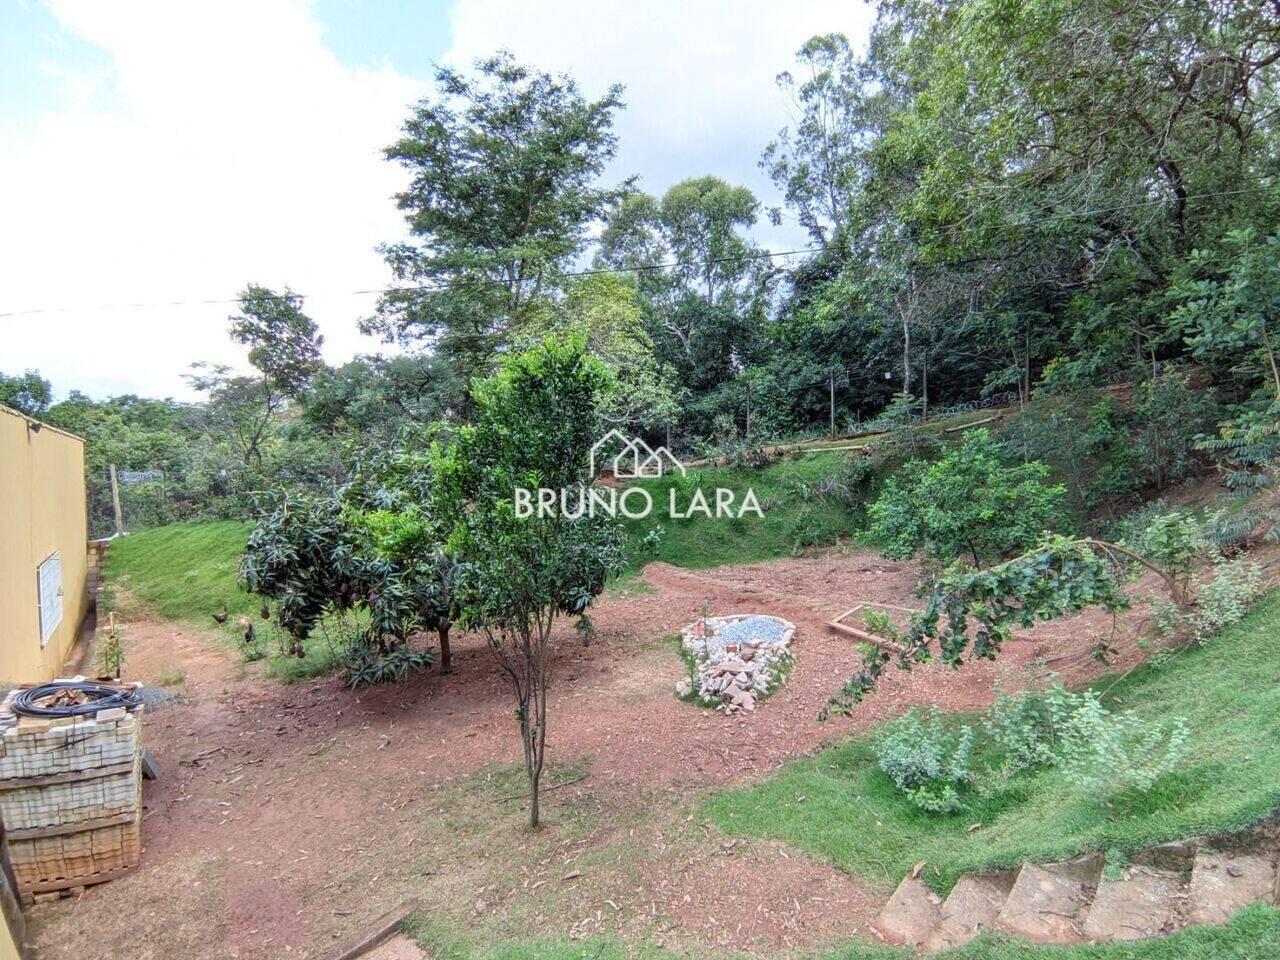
(1047, 198)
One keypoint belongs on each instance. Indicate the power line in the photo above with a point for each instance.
(428, 287)
(652, 267)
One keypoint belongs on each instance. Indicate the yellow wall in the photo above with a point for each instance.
(42, 511)
(8, 949)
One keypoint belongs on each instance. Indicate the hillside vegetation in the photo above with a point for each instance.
(1228, 690)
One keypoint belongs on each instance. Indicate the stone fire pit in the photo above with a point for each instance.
(738, 659)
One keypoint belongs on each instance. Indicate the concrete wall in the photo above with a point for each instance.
(42, 511)
(8, 949)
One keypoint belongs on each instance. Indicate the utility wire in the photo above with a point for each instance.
(651, 267)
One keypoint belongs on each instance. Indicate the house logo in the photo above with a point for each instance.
(630, 458)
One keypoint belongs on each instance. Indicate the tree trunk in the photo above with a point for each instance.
(535, 739)
(446, 655)
(924, 386)
(906, 354)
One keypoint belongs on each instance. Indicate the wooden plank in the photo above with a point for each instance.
(854, 632)
(974, 423)
(848, 613)
(383, 927)
(73, 776)
(66, 883)
(61, 829)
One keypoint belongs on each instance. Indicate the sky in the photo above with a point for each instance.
(156, 156)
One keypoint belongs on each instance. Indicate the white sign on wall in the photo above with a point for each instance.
(49, 585)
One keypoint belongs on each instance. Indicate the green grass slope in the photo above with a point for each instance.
(701, 542)
(1228, 691)
(188, 571)
(1252, 934)
(184, 571)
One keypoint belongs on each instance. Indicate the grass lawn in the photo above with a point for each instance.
(1252, 934)
(699, 542)
(1228, 691)
(187, 572)
(184, 571)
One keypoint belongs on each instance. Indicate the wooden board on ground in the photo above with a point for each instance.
(362, 945)
(837, 624)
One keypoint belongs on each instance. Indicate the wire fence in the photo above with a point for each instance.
(881, 422)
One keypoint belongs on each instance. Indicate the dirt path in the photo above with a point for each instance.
(287, 816)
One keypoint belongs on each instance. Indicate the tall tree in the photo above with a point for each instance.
(706, 311)
(817, 162)
(504, 165)
(536, 420)
(284, 343)
(27, 393)
(242, 408)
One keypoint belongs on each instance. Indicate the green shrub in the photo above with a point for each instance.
(924, 761)
(968, 504)
(1107, 753)
(1225, 599)
(1028, 727)
(1219, 603)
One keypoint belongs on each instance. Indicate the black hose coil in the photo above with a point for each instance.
(100, 698)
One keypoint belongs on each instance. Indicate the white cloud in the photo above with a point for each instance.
(222, 143)
(227, 144)
(699, 74)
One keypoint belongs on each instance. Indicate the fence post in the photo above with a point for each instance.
(831, 380)
(115, 501)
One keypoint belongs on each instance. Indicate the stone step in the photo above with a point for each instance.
(1176, 856)
(1143, 903)
(1222, 883)
(1048, 903)
(911, 913)
(972, 907)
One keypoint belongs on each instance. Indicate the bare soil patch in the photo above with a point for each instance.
(288, 816)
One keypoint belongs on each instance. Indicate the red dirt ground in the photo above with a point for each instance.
(284, 813)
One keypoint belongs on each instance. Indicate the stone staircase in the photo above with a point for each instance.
(1160, 890)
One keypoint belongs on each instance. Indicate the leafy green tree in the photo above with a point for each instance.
(708, 309)
(284, 343)
(503, 166)
(1233, 315)
(604, 312)
(536, 420)
(391, 502)
(968, 502)
(27, 393)
(239, 407)
(301, 555)
(375, 397)
(317, 555)
(817, 163)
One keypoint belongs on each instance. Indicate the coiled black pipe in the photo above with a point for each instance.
(100, 697)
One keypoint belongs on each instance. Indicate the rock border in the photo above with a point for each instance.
(735, 677)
